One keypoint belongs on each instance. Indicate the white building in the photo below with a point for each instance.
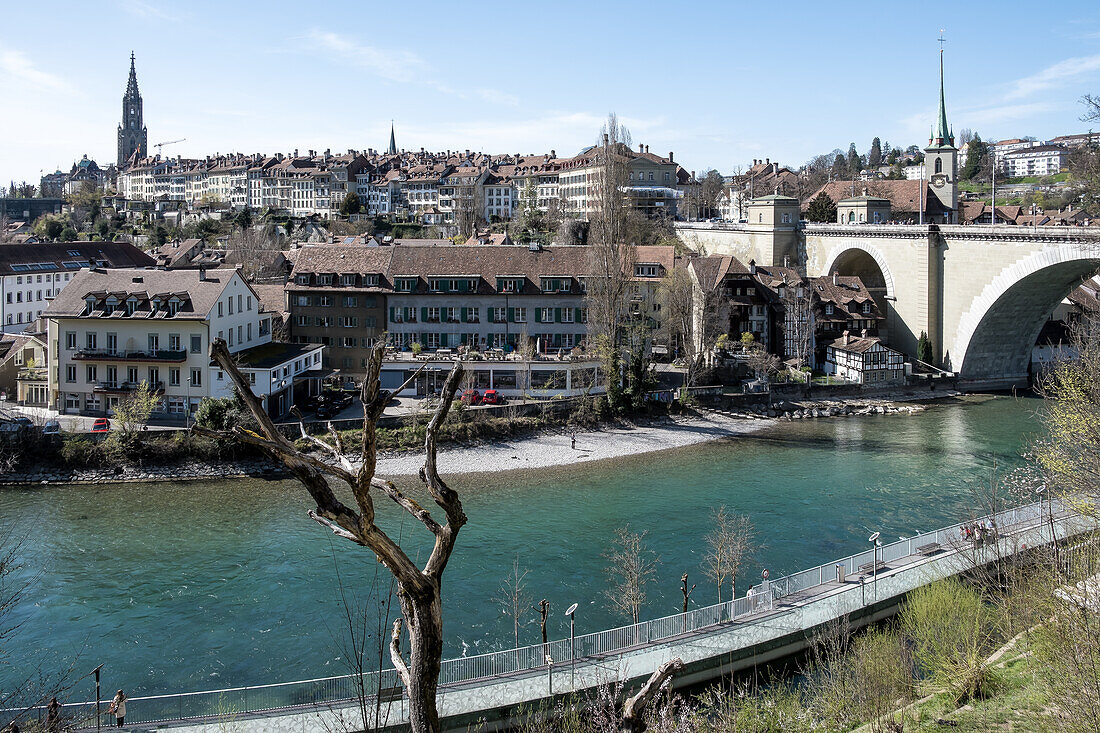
(864, 360)
(32, 274)
(1040, 160)
(112, 330)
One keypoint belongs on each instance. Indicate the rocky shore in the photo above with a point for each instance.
(185, 471)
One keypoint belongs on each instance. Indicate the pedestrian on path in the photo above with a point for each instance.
(118, 707)
(53, 716)
(573, 440)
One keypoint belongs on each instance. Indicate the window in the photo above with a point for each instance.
(174, 377)
(567, 315)
(452, 315)
(248, 300)
(240, 303)
(325, 301)
(521, 315)
(350, 301)
(433, 315)
(91, 373)
(499, 315)
(547, 315)
(473, 315)
(866, 308)
(347, 279)
(70, 340)
(221, 309)
(196, 377)
(829, 309)
(173, 342)
(70, 373)
(196, 344)
(647, 269)
(132, 375)
(154, 376)
(230, 299)
(154, 343)
(303, 300)
(112, 343)
(90, 341)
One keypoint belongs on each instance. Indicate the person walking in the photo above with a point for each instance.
(118, 707)
(53, 716)
(573, 440)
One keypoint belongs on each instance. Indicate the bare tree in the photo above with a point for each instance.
(730, 543)
(798, 326)
(630, 569)
(762, 363)
(419, 590)
(513, 596)
(611, 263)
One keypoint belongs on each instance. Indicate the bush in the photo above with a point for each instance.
(81, 451)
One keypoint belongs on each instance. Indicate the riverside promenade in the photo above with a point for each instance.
(486, 690)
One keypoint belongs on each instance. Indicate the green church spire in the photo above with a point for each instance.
(942, 135)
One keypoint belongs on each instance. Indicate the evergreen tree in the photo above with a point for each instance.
(855, 163)
(874, 157)
(351, 204)
(839, 166)
(924, 348)
(244, 218)
(822, 209)
(976, 155)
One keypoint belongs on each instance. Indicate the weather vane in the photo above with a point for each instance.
(941, 39)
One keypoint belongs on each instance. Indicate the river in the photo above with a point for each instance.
(188, 586)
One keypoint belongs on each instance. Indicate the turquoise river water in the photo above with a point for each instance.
(189, 586)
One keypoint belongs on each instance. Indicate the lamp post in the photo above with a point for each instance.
(95, 673)
(571, 612)
(187, 406)
(873, 539)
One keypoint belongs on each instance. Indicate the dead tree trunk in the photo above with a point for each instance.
(634, 708)
(418, 589)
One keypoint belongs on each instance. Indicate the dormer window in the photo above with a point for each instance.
(111, 304)
(866, 308)
(369, 281)
(90, 303)
(131, 306)
(829, 309)
(324, 279)
(173, 306)
(303, 280)
(646, 269)
(347, 279)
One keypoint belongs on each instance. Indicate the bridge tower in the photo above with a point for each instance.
(942, 161)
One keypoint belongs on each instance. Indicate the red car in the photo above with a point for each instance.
(101, 425)
(471, 397)
(492, 397)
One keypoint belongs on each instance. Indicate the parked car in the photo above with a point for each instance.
(326, 411)
(24, 422)
(10, 426)
(52, 427)
(492, 397)
(471, 397)
(101, 425)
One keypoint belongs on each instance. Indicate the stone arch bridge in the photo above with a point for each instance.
(981, 293)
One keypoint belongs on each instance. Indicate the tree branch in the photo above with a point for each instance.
(395, 654)
(443, 495)
(634, 708)
(408, 504)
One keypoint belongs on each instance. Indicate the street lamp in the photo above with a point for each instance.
(571, 612)
(187, 406)
(875, 544)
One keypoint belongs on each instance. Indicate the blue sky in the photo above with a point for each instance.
(719, 83)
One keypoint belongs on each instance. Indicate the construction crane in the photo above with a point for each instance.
(158, 146)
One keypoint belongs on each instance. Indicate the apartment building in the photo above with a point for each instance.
(112, 330)
(337, 298)
(32, 274)
(1039, 160)
(488, 297)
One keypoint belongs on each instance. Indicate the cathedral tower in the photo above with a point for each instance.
(132, 135)
(942, 162)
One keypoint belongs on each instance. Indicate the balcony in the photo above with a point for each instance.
(126, 387)
(160, 355)
(38, 374)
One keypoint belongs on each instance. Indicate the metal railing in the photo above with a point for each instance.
(334, 691)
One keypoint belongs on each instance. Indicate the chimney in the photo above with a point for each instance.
(647, 148)
(641, 148)
(786, 261)
(553, 153)
(767, 161)
(605, 140)
(202, 273)
(836, 279)
(752, 267)
(863, 333)
(846, 338)
(670, 160)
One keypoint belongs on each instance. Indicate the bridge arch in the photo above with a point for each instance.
(866, 261)
(996, 334)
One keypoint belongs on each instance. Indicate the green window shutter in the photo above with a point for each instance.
(511, 315)
(557, 339)
(538, 315)
(462, 315)
(392, 309)
(557, 315)
(423, 314)
(464, 286)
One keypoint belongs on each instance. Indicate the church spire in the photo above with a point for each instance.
(131, 84)
(392, 150)
(942, 134)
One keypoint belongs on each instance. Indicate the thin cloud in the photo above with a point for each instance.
(147, 10)
(390, 64)
(399, 66)
(1053, 76)
(14, 66)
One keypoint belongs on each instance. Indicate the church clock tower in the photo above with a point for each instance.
(942, 162)
(132, 135)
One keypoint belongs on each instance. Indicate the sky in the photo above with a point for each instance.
(719, 83)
